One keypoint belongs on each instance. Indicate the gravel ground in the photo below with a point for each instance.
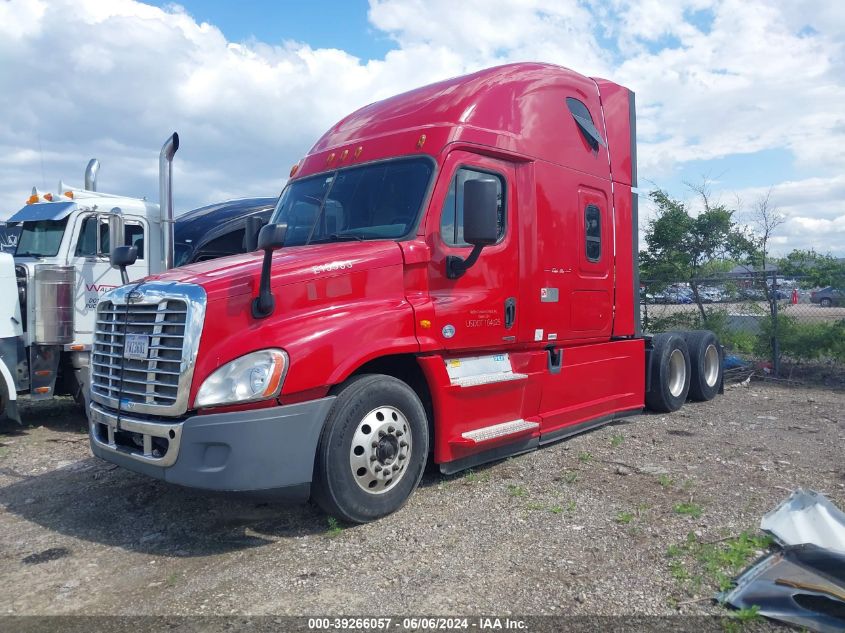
(580, 527)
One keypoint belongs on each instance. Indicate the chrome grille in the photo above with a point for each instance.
(172, 321)
(152, 381)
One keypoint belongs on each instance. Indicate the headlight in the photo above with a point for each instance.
(255, 376)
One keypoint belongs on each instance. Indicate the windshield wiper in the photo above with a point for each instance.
(39, 255)
(335, 237)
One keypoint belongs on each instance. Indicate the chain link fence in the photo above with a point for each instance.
(766, 322)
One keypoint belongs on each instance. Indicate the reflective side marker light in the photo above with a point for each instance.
(421, 141)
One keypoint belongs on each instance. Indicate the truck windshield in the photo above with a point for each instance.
(376, 201)
(41, 239)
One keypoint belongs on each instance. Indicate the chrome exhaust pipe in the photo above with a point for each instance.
(91, 174)
(165, 195)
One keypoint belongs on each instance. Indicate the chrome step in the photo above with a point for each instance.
(486, 379)
(499, 430)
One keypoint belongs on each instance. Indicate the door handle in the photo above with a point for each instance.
(510, 312)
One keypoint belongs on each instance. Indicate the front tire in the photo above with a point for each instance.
(372, 450)
(826, 303)
(669, 369)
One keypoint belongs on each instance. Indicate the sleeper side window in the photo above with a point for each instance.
(452, 218)
(592, 230)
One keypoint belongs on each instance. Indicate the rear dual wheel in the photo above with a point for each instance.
(372, 450)
(669, 369)
(683, 364)
(705, 364)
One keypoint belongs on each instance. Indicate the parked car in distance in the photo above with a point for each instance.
(828, 297)
(671, 295)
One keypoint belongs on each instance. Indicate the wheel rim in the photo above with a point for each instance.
(711, 365)
(381, 450)
(677, 372)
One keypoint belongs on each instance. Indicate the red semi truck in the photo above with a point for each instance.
(449, 275)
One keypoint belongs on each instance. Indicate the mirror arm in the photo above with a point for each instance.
(456, 267)
(124, 276)
(264, 304)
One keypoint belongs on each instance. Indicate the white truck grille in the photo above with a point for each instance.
(154, 380)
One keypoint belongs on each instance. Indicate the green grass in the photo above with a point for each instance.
(473, 477)
(737, 621)
(172, 579)
(714, 564)
(624, 518)
(334, 527)
(556, 509)
(665, 480)
(585, 457)
(617, 439)
(689, 509)
(517, 491)
(570, 477)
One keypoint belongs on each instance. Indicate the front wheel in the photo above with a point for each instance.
(372, 450)
(826, 303)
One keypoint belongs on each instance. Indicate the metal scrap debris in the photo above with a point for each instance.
(807, 517)
(803, 585)
(804, 582)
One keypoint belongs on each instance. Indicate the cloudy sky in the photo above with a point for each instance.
(748, 94)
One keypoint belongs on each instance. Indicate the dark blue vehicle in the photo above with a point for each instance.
(219, 229)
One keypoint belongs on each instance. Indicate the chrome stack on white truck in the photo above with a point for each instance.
(59, 270)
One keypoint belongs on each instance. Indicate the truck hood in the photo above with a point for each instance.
(240, 274)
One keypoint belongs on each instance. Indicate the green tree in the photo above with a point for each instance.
(813, 269)
(683, 247)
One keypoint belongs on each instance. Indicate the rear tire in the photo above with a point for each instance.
(669, 370)
(372, 450)
(826, 303)
(705, 363)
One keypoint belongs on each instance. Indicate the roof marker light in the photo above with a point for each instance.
(48, 196)
(330, 158)
(421, 141)
(294, 169)
(358, 151)
(344, 154)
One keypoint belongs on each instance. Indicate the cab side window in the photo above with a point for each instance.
(94, 238)
(452, 218)
(134, 236)
(87, 244)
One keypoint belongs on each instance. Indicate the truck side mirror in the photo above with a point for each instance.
(270, 238)
(254, 224)
(117, 231)
(481, 226)
(121, 257)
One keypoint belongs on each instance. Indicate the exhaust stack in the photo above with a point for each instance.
(165, 195)
(91, 174)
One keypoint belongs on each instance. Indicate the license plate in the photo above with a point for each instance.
(136, 346)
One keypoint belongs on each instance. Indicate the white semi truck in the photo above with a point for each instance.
(58, 272)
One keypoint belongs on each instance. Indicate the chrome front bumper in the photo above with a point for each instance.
(104, 426)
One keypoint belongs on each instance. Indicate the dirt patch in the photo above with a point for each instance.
(609, 522)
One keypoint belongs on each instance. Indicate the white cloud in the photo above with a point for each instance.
(112, 79)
